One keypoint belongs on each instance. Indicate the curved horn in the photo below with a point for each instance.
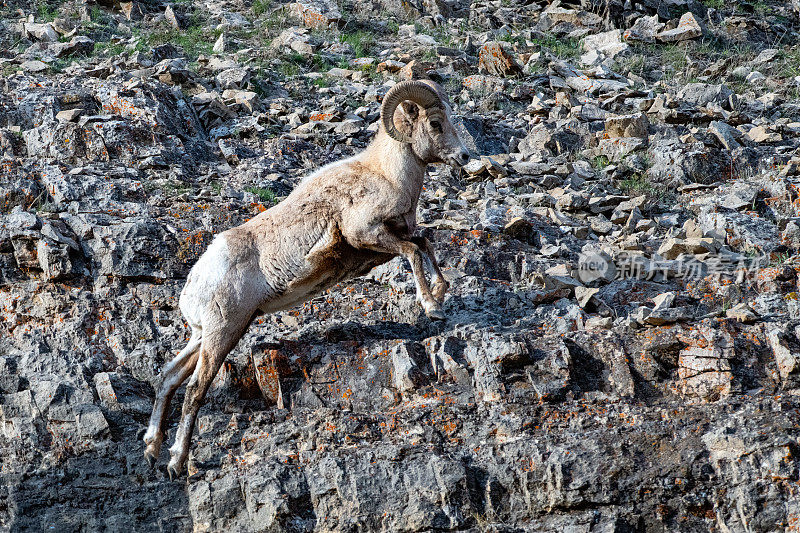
(413, 90)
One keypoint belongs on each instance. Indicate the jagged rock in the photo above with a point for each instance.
(644, 29)
(726, 134)
(605, 44)
(660, 317)
(573, 353)
(702, 94)
(584, 295)
(627, 126)
(234, 78)
(704, 366)
(673, 247)
(296, 39)
(77, 45)
(675, 163)
(219, 44)
(617, 148)
(688, 28)
(519, 228)
(761, 134)
(41, 32)
(494, 60)
(741, 313)
(172, 71)
(755, 77)
(408, 360)
(555, 14)
(316, 13)
(34, 66)
(743, 231)
(580, 82)
(121, 392)
(787, 357)
(391, 65)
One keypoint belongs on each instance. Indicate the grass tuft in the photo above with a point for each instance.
(361, 41)
(266, 195)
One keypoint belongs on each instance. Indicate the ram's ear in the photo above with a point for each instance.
(405, 116)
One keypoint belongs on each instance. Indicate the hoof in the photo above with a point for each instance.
(175, 465)
(150, 456)
(153, 448)
(174, 470)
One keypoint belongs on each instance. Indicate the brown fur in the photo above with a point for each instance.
(337, 224)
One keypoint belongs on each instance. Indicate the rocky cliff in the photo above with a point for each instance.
(622, 347)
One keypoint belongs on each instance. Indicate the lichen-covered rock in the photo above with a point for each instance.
(621, 336)
(494, 60)
(316, 13)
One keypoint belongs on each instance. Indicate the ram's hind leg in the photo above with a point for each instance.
(214, 348)
(175, 373)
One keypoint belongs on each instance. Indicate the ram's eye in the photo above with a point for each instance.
(436, 125)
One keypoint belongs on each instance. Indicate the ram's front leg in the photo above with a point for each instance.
(440, 285)
(378, 238)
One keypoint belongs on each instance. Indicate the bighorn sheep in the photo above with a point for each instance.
(338, 223)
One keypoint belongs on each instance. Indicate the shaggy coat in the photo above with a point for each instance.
(337, 224)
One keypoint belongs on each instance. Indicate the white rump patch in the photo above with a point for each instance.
(204, 279)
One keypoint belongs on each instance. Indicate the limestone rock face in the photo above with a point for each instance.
(621, 343)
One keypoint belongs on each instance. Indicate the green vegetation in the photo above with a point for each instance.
(636, 64)
(737, 83)
(97, 15)
(361, 41)
(291, 64)
(779, 259)
(266, 195)
(174, 188)
(109, 48)
(261, 6)
(675, 59)
(391, 24)
(195, 40)
(454, 84)
(789, 65)
(167, 187)
(43, 204)
(564, 48)
(429, 54)
(513, 39)
(44, 11)
(443, 36)
(760, 8)
(59, 65)
(600, 162)
(637, 184)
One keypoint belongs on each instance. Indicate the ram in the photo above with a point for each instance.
(338, 223)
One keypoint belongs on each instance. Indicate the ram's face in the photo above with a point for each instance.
(436, 139)
(419, 113)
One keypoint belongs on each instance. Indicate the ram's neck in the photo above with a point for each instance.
(396, 161)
